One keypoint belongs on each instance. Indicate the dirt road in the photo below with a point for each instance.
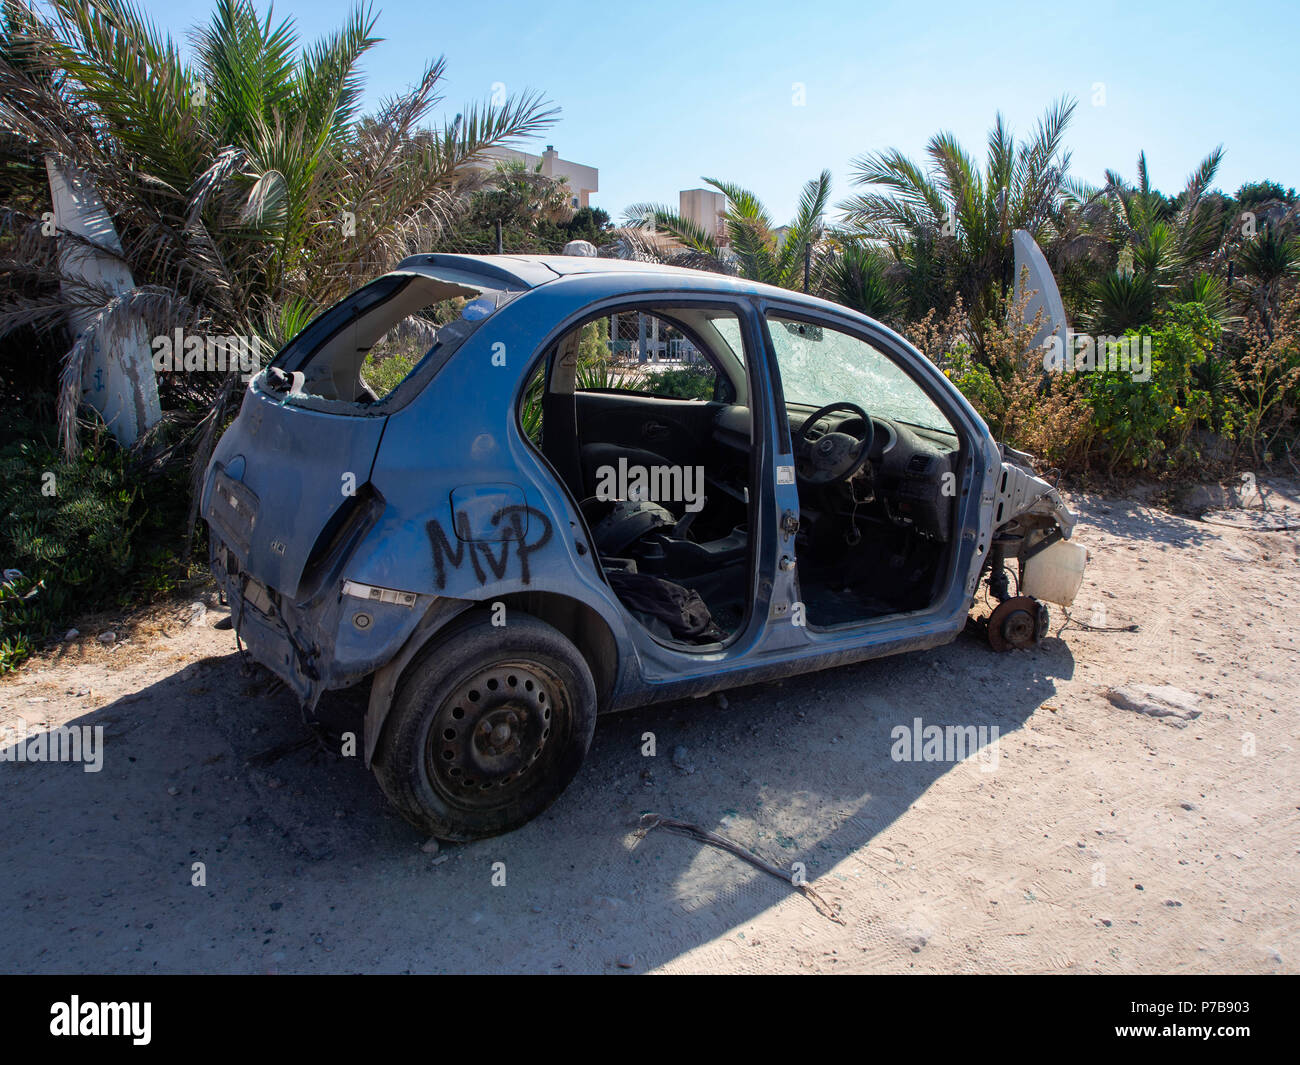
(1085, 837)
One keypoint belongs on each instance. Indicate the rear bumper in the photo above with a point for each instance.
(260, 626)
(332, 641)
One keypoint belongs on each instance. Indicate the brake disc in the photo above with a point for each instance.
(1019, 622)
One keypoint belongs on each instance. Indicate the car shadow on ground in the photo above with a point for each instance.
(222, 834)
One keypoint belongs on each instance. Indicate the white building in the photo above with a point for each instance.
(583, 180)
(704, 207)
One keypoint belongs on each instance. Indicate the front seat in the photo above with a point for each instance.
(594, 456)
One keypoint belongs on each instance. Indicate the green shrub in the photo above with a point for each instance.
(1148, 424)
(89, 535)
(687, 382)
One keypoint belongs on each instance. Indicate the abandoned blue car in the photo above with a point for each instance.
(513, 492)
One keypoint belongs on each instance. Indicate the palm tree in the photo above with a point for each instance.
(1267, 260)
(1162, 245)
(860, 276)
(754, 248)
(961, 216)
(246, 185)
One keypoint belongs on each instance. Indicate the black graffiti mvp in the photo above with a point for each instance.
(513, 520)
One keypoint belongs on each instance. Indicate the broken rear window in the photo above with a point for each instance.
(361, 350)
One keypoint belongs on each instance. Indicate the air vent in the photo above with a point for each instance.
(918, 463)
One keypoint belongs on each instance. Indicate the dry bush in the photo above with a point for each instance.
(1024, 406)
(1267, 380)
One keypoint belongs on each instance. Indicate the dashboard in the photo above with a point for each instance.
(912, 471)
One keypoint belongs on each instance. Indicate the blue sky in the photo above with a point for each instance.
(660, 93)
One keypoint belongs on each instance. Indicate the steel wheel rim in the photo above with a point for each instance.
(490, 736)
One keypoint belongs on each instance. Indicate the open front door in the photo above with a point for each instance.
(876, 467)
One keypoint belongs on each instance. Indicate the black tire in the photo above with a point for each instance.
(488, 726)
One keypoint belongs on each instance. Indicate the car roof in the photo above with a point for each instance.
(626, 275)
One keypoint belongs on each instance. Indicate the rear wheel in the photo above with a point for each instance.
(488, 727)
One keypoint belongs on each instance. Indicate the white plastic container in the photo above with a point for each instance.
(1055, 573)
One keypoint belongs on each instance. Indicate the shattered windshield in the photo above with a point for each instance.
(820, 366)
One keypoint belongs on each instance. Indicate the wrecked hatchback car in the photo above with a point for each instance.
(513, 492)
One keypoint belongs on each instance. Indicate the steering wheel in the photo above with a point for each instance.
(833, 456)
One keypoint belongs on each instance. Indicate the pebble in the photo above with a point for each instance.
(429, 846)
(71, 635)
(682, 760)
(626, 961)
(914, 941)
(108, 637)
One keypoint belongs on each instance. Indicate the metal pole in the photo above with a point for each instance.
(500, 248)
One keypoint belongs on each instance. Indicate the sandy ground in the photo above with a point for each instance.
(1088, 838)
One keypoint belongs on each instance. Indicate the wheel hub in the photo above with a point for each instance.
(491, 729)
(1019, 622)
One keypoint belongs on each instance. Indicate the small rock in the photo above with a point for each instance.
(429, 846)
(71, 635)
(1172, 902)
(198, 611)
(722, 702)
(173, 790)
(626, 961)
(1171, 705)
(1206, 496)
(1188, 805)
(1106, 922)
(682, 760)
(107, 637)
(608, 903)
